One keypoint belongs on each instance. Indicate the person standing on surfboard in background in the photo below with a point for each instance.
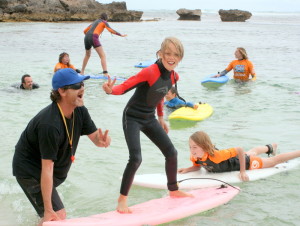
(204, 154)
(152, 84)
(46, 148)
(242, 67)
(64, 62)
(91, 39)
(174, 102)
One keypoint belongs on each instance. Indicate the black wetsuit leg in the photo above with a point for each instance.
(154, 131)
(158, 136)
(131, 130)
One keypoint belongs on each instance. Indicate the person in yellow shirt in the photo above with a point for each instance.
(242, 67)
(64, 62)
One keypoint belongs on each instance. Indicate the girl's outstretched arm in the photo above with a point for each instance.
(241, 154)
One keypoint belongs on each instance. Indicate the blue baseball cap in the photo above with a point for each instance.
(66, 76)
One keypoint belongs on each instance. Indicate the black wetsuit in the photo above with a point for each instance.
(34, 86)
(151, 84)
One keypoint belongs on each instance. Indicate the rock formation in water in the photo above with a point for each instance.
(187, 14)
(234, 15)
(64, 10)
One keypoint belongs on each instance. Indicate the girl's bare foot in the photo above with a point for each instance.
(179, 193)
(122, 205)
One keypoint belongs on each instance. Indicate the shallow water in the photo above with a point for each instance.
(245, 115)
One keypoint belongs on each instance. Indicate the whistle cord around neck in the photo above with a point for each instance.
(70, 138)
(177, 89)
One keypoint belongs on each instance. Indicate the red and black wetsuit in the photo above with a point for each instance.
(152, 84)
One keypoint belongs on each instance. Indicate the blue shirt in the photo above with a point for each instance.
(177, 103)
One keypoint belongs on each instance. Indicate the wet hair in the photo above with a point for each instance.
(23, 78)
(55, 96)
(62, 56)
(103, 16)
(243, 53)
(176, 42)
(203, 140)
(173, 90)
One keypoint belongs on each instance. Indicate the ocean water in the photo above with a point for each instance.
(244, 115)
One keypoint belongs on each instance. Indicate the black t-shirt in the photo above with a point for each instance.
(45, 137)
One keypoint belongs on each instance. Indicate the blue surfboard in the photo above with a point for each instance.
(105, 77)
(145, 64)
(209, 80)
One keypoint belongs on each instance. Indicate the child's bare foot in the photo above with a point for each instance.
(122, 205)
(179, 193)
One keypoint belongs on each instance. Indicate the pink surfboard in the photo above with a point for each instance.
(157, 211)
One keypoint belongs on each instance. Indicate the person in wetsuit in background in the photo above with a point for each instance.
(174, 102)
(27, 83)
(91, 39)
(152, 84)
(64, 62)
(242, 67)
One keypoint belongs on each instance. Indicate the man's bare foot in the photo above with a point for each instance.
(122, 205)
(179, 193)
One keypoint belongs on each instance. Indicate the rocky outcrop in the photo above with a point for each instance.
(64, 10)
(187, 14)
(234, 15)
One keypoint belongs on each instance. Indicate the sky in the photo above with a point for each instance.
(249, 5)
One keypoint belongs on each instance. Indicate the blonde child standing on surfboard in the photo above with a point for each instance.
(204, 154)
(152, 84)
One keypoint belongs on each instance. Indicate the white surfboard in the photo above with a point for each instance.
(159, 180)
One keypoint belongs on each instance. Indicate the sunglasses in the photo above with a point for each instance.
(75, 86)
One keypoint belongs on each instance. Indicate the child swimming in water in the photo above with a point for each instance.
(174, 102)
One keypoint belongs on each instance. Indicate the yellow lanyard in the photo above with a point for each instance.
(70, 138)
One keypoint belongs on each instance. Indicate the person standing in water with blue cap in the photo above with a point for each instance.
(46, 148)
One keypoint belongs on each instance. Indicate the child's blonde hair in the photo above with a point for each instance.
(176, 42)
(203, 141)
(243, 53)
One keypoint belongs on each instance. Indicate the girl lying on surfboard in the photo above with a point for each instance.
(151, 85)
(204, 154)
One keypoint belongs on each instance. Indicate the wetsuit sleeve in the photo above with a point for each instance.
(87, 29)
(174, 103)
(160, 107)
(131, 83)
(176, 76)
(230, 66)
(190, 104)
(223, 155)
(110, 29)
(193, 161)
